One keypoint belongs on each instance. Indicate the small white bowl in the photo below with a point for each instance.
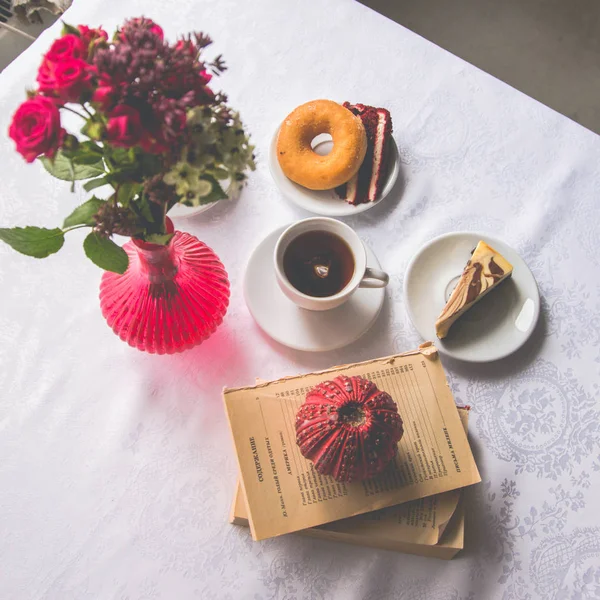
(181, 210)
(327, 202)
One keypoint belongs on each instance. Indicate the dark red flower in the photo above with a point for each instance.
(153, 141)
(67, 46)
(124, 127)
(90, 35)
(174, 124)
(35, 128)
(205, 76)
(186, 47)
(67, 79)
(153, 145)
(348, 428)
(142, 23)
(156, 30)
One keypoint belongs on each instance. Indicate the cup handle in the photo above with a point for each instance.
(374, 278)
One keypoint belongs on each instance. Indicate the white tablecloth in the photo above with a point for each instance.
(116, 467)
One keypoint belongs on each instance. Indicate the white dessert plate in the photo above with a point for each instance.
(296, 327)
(493, 328)
(327, 202)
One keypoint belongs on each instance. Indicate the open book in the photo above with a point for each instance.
(284, 493)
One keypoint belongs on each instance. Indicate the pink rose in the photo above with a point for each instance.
(35, 128)
(68, 79)
(68, 46)
(124, 127)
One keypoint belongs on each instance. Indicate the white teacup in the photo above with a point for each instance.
(363, 276)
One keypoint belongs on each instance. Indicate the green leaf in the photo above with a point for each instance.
(121, 176)
(86, 158)
(159, 238)
(104, 253)
(63, 168)
(33, 241)
(85, 153)
(70, 145)
(149, 164)
(91, 147)
(93, 129)
(220, 173)
(92, 184)
(121, 156)
(141, 207)
(127, 191)
(70, 29)
(216, 194)
(84, 213)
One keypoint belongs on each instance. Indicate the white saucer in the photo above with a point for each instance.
(327, 202)
(494, 327)
(296, 327)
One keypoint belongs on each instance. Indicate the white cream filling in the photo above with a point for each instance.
(377, 156)
(352, 189)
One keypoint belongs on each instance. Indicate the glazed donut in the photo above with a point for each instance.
(302, 164)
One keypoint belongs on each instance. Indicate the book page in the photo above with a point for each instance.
(420, 521)
(284, 492)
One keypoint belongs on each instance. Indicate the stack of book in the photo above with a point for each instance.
(416, 505)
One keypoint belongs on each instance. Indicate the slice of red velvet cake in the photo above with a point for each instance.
(367, 184)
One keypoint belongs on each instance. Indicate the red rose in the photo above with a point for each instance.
(104, 95)
(68, 46)
(89, 35)
(68, 79)
(124, 127)
(46, 78)
(36, 129)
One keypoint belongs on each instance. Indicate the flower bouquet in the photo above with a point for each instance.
(151, 128)
(153, 131)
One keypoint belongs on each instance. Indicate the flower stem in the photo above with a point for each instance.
(67, 229)
(87, 111)
(75, 112)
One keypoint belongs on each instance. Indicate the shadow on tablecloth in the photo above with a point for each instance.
(509, 366)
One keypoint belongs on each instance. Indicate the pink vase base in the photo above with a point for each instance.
(170, 299)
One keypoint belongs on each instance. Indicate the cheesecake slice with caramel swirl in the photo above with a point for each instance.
(486, 269)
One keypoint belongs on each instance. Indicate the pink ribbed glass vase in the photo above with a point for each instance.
(170, 298)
